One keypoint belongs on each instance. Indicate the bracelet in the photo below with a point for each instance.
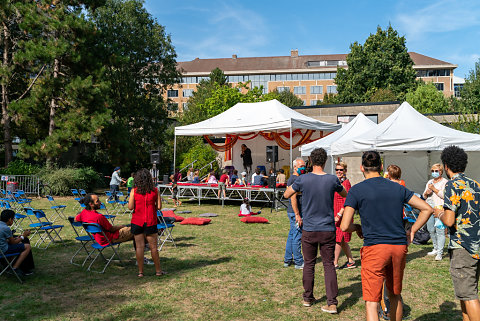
(440, 215)
(339, 215)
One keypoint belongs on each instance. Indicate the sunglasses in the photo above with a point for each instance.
(434, 171)
(339, 169)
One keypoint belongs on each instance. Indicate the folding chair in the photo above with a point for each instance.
(107, 215)
(83, 239)
(111, 200)
(7, 261)
(94, 228)
(77, 197)
(23, 197)
(57, 208)
(17, 221)
(82, 192)
(34, 224)
(121, 205)
(164, 231)
(47, 230)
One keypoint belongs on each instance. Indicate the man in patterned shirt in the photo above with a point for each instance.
(461, 215)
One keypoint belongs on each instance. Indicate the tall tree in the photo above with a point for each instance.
(141, 65)
(382, 62)
(471, 90)
(427, 99)
(285, 97)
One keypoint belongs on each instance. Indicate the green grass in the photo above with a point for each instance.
(226, 270)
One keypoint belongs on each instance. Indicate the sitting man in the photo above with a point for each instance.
(281, 178)
(115, 234)
(10, 244)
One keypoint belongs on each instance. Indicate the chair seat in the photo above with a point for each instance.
(84, 238)
(12, 254)
(99, 247)
(17, 215)
(122, 202)
(58, 206)
(163, 226)
(78, 198)
(40, 224)
(51, 227)
(109, 216)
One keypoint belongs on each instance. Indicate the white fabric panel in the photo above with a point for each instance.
(415, 169)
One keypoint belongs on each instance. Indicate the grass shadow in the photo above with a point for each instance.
(447, 312)
(416, 255)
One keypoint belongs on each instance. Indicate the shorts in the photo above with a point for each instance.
(221, 186)
(137, 229)
(174, 193)
(15, 248)
(379, 262)
(465, 271)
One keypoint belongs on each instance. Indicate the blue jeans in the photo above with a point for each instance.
(293, 249)
(437, 235)
(114, 189)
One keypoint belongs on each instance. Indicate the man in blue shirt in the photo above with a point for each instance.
(383, 255)
(318, 226)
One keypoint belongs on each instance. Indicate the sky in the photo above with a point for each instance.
(448, 30)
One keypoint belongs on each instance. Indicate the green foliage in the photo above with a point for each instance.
(204, 154)
(471, 90)
(382, 94)
(62, 180)
(285, 97)
(467, 123)
(382, 62)
(426, 98)
(19, 167)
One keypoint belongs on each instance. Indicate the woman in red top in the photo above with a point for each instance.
(342, 238)
(145, 201)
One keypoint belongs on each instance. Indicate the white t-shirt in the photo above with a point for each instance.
(244, 209)
(434, 199)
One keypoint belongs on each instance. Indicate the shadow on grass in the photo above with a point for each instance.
(447, 312)
(175, 266)
(415, 255)
(355, 291)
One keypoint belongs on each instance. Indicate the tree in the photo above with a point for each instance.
(140, 66)
(471, 90)
(382, 62)
(286, 97)
(427, 99)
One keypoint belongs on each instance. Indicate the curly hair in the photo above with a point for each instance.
(371, 161)
(143, 181)
(454, 158)
(318, 156)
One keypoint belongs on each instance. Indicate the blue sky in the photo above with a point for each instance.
(448, 30)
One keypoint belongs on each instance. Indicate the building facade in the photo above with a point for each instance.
(309, 77)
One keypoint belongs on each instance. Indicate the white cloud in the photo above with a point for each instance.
(441, 16)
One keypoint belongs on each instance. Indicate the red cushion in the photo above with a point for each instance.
(251, 213)
(196, 221)
(253, 219)
(172, 214)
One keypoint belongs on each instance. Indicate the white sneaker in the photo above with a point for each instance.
(434, 252)
(439, 257)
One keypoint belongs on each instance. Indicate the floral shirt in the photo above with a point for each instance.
(462, 195)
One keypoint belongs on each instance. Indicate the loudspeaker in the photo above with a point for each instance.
(154, 157)
(272, 154)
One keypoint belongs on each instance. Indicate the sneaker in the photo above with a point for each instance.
(287, 264)
(348, 265)
(434, 252)
(332, 309)
(299, 267)
(29, 272)
(308, 303)
(337, 267)
(438, 257)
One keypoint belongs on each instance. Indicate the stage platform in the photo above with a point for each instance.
(201, 192)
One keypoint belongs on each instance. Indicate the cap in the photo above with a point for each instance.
(116, 168)
(244, 173)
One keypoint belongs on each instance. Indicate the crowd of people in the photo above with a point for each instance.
(321, 214)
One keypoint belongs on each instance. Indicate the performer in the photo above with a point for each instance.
(247, 159)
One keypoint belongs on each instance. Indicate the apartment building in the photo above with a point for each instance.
(309, 77)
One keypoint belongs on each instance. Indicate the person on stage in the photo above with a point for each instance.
(247, 159)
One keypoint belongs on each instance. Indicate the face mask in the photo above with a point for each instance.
(435, 174)
(301, 170)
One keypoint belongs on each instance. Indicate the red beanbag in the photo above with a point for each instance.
(172, 214)
(251, 219)
(196, 221)
(242, 215)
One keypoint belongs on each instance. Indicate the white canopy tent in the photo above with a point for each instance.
(413, 142)
(267, 116)
(359, 125)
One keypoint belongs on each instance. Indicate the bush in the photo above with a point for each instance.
(19, 167)
(62, 180)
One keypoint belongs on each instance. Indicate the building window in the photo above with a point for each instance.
(439, 85)
(433, 73)
(282, 89)
(314, 102)
(457, 89)
(316, 89)
(172, 107)
(299, 90)
(185, 107)
(331, 89)
(172, 93)
(187, 92)
(304, 102)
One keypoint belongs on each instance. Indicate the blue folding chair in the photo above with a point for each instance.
(77, 197)
(111, 200)
(107, 215)
(121, 205)
(92, 229)
(164, 231)
(83, 239)
(6, 260)
(46, 230)
(57, 208)
(17, 221)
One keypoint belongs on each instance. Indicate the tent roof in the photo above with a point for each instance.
(408, 130)
(357, 126)
(253, 117)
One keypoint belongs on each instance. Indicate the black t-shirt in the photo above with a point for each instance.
(247, 157)
(317, 200)
(380, 204)
(290, 182)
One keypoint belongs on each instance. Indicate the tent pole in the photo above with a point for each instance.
(174, 151)
(291, 157)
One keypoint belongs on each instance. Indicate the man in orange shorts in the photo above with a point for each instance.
(383, 255)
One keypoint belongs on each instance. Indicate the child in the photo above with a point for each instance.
(130, 183)
(246, 209)
(196, 177)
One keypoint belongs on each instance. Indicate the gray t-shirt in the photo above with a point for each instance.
(5, 233)
(317, 201)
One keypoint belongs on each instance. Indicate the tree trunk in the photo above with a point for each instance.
(6, 119)
(53, 106)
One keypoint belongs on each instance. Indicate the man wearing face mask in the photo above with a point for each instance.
(115, 182)
(433, 195)
(293, 248)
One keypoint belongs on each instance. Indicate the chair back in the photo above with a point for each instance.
(75, 192)
(92, 228)
(82, 192)
(50, 198)
(75, 224)
(29, 210)
(39, 214)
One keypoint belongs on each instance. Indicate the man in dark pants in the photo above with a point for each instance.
(318, 226)
(247, 159)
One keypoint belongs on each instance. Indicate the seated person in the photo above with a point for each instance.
(190, 175)
(9, 244)
(281, 178)
(234, 180)
(246, 209)
(243, 179)
(115, 234)
(211, 178)
(257, 177)
(264, 179)
(196, 177)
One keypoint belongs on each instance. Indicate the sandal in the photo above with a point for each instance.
(140, 275)
(160, 273)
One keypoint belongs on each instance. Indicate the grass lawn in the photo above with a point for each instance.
(226, 270)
